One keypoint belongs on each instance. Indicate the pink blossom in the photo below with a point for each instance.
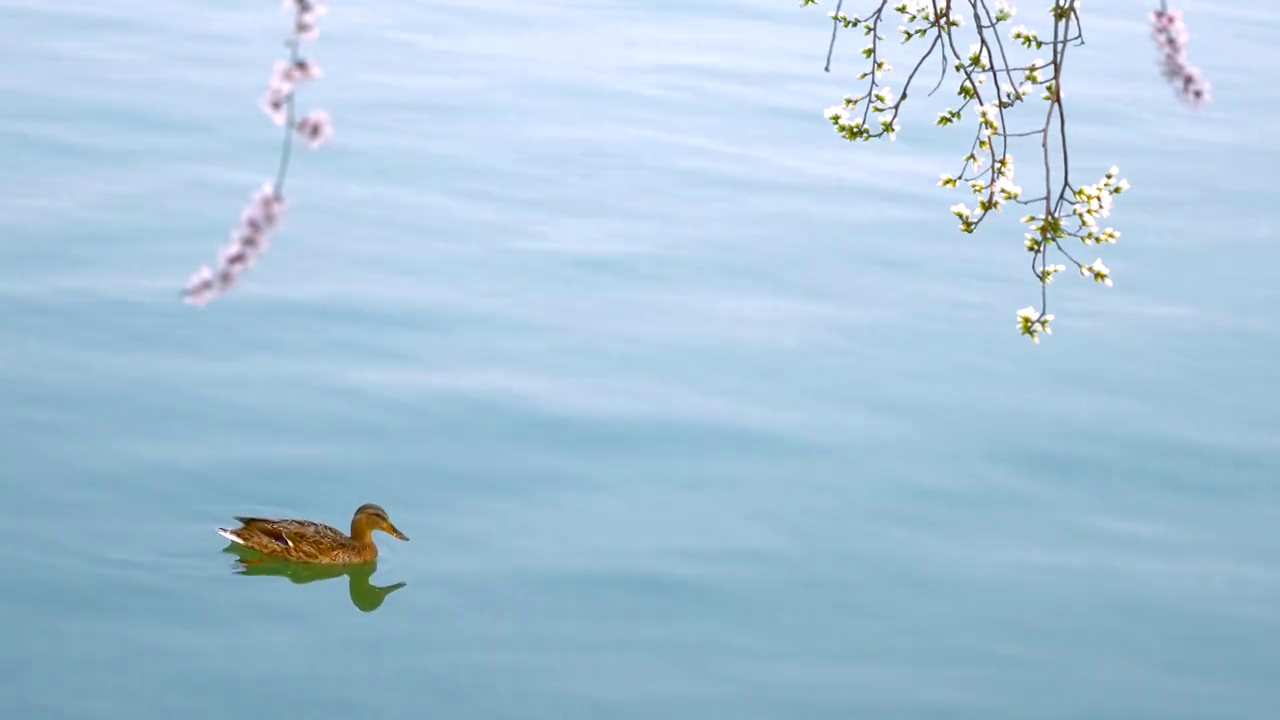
(200, 287)
(306, 17)
(266, 207)
(254, 242)
(1171, 37)
(316, 127)
(303, 70)
(260, 216)
(286, 74)
(306, 6)
(275, 101)
(226, 278)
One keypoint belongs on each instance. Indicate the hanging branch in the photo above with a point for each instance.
(993, 88)
(1171, 38)
(262, 214)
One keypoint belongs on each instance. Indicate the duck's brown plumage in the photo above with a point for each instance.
(314, 542)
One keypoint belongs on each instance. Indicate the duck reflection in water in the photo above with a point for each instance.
(366, 596)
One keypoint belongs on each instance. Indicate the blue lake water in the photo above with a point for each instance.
(690, 408)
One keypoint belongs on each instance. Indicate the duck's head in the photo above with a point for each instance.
(370, 517)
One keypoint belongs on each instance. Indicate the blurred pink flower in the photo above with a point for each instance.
(316, 127)
(200, 287)
(262, 214)
(303, 70)
(286, 74)
(275, 103)
(1171, 38)
(306, 17)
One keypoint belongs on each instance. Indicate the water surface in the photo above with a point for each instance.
(691, 409)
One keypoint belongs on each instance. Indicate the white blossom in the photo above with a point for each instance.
(1032, 322)
(1100, 273)
(995, 105)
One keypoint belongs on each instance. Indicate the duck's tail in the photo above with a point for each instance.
(231, 536)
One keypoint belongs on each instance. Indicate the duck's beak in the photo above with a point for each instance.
(394, 532)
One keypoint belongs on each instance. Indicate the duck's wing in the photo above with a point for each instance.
(288, 532)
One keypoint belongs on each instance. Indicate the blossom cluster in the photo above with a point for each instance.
(992, 196)
(1094, 201)
(285, 77)
(1171, 38)
(263, 212)
(852, 127)
(925, 11)
(248, 240)
(1045, 231)
(1032, 322)
(990, 86)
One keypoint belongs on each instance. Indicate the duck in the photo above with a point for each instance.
(309, 541)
